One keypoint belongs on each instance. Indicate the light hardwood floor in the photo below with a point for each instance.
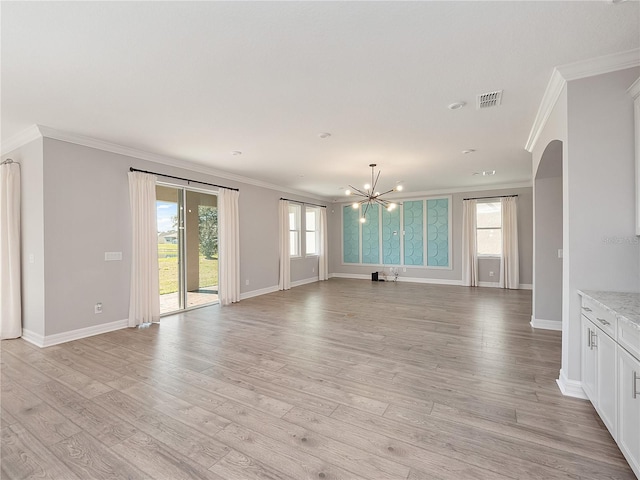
(344, 379)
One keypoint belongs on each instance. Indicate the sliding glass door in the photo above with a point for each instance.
(187, 248)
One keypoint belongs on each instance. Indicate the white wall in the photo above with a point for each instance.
(594, 119)
(86, 213)
(525, 235)
(547, 304)
(32, 239)
(600, 192)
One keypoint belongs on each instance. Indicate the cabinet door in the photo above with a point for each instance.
(589, 361)
(629, 408)
(606, 380)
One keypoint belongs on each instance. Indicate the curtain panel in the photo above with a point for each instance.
(144, 300)
(10, 268)
(229, 238)
(510, 260)
(469, 248)
(284, 280)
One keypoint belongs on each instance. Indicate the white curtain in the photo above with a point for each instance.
(323, 258)
(229, 238)
(10, 306)
(284, 282)
(144, 302)
(469, 249)
(510, 261)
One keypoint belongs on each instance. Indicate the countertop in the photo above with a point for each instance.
(624, 305)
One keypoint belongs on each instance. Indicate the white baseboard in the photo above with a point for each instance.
(523, 286)
(570, 388)
(50, 340)
(436, 281)
(32, 337)
(305, 281)
(257, 293)
(546, 324)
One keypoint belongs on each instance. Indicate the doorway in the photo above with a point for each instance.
(187, 248)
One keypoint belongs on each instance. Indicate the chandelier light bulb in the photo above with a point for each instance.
(355, 205)
(347, 192)
(367, 186)
(362, 220)
(377, 193)
(399, 188)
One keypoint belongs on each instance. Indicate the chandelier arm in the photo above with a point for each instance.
(384, 203)
(366, 209)
(388, 191)
(359, 192)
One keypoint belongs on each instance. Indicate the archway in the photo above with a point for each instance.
(547, 241)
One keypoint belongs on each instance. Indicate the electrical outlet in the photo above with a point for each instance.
(246, 282)
(491, 274)
(98, 308)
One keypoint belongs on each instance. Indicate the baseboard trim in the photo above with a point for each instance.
(435, 281)
(523, 286)
(257, 293)
(50, 340)
(305, 281)
(546, 324)
(570, 388)
(33, 338)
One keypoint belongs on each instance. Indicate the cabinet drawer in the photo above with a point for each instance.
(629, 338)
(604, 319)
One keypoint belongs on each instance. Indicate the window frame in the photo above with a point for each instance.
(316, 231)
(296, 209)
(489, 255)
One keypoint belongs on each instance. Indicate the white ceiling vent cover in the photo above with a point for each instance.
(487, 100)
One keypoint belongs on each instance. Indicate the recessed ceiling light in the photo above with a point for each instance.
(236, 152)
(615, 2)
(324, 135)
(456, 106)
(488, 173)
(470, 150)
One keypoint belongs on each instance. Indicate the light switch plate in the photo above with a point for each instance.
(112, 256)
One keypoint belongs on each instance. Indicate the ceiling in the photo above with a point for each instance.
(198, 80)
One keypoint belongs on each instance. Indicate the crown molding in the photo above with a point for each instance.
(21, 138)
(37, 131)
(575, 71)
(549, 99)
(600, 65)
(165, 160)
(447, 191)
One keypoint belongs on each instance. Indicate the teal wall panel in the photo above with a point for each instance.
(371, 236)
(391, 242)
(438, 232)
(413, 233)
(351, 235)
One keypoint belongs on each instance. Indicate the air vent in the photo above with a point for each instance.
(487, 100)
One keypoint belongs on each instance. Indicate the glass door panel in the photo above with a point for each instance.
(201, 234)
(169, 213)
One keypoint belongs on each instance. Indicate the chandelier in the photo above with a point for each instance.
(370, 196)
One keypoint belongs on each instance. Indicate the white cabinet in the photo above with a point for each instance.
(599, 372)
(589, 360)
(606, 386)
(611, 372)
(629, 408)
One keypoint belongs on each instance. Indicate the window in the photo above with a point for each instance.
(312, 227)
(294, 230)
(489, 224)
